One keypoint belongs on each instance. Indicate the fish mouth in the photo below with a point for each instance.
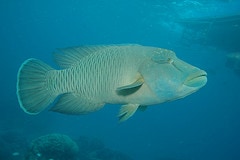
(197, 79)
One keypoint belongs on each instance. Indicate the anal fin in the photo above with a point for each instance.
(70, 103)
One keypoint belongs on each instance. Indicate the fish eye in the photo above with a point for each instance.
(162, 60)
(163, 56)
(170, 60)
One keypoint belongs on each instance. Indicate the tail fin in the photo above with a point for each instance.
(32, 92)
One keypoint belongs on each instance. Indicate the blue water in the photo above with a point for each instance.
(202, 126)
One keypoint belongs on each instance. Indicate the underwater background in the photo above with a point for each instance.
(202, 126)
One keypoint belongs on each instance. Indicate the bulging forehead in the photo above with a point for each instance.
(164, 52)
(161, 55)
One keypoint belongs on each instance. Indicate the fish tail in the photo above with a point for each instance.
(32, 91)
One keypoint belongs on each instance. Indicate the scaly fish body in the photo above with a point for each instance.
(131, 75)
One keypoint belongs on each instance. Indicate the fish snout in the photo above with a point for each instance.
(196, 79)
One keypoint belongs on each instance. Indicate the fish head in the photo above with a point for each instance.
(170, 78)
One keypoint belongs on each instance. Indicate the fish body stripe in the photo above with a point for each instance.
(93, 77)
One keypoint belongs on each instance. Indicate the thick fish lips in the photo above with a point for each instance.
(197, 79)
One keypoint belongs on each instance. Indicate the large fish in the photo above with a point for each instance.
(133, 75)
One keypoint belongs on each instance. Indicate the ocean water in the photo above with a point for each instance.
(202, 126)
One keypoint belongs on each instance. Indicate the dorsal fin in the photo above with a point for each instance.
(68, 57)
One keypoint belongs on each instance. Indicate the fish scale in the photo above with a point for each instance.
(132, 75)
(91, 81)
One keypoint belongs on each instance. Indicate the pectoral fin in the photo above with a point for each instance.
(127, 111)
(131, 88)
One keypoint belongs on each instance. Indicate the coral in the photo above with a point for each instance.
(94, 149)
(61, 147)
(53, 147)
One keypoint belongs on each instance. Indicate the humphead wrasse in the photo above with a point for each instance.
(132, 75)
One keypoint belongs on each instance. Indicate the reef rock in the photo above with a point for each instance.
(53, 147)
